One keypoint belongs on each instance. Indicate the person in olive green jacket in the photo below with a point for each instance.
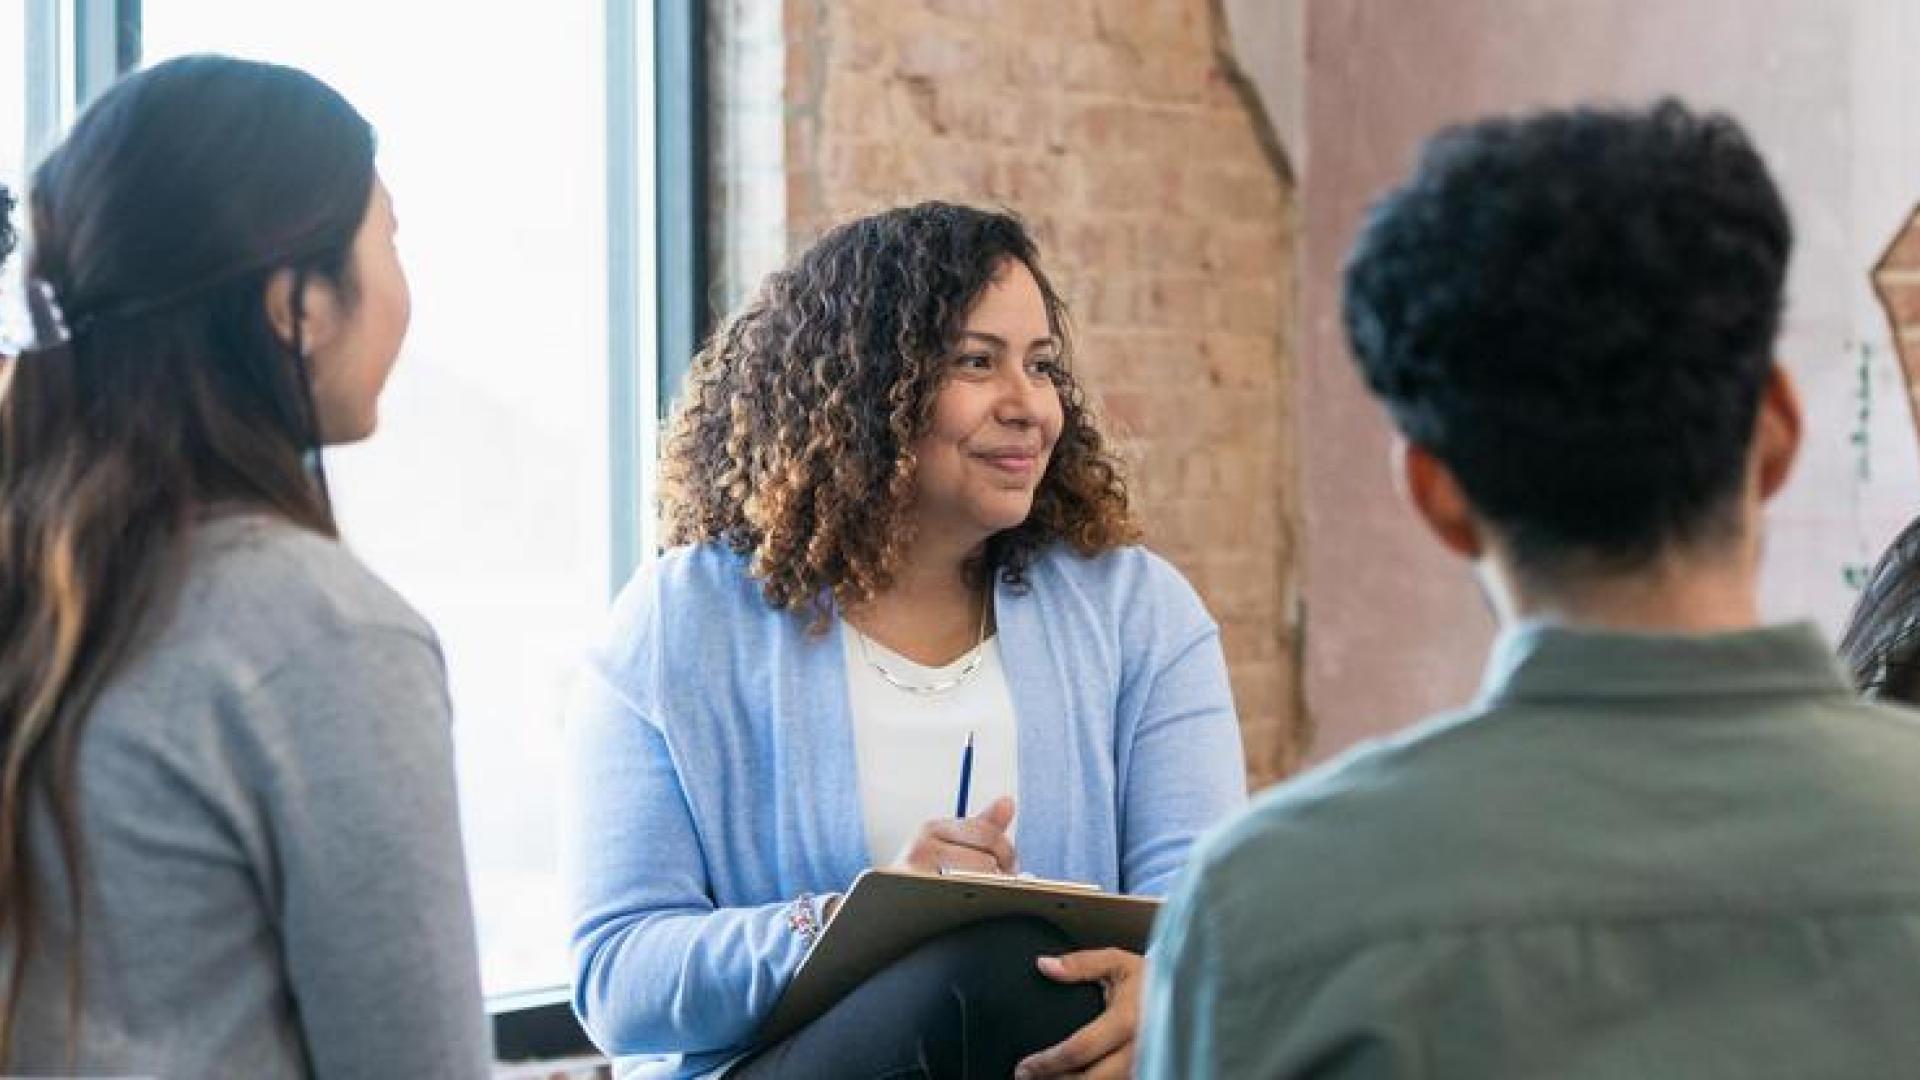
(1664, 840)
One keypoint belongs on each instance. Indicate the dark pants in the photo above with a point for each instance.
(967, 1005)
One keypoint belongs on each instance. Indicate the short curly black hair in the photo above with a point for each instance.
(1575, 310)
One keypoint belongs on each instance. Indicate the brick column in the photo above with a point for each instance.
(1896, 280)
(1120, 130)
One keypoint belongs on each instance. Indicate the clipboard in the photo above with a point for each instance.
(888, 913)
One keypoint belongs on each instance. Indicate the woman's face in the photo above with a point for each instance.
(358, 334)
(996, 416)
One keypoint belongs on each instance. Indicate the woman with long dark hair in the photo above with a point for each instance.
(228, 832)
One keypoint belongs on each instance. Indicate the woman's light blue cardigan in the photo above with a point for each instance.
(714, 778)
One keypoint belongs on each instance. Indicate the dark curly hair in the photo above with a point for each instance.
(794, 439)
(1575, 311)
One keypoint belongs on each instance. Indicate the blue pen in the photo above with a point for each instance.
(966, 776)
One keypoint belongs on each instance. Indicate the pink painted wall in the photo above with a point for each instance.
(1395, 629)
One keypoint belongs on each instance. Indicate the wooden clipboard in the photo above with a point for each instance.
(888, 913)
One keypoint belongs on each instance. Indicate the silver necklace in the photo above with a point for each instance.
(974, 658)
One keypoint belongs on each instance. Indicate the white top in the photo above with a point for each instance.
(908, 746)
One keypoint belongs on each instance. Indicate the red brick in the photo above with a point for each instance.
(862, 55)
(802, 76)
(1199, 474)
(1243, 193)
(1903, 303)
(1096, 245)
(1247, 476)
(968, 116)
(1044, 226)
(1257, 690)
(857, 106)
(1027, 123)
(1180, 78)
(1251, 641)
(1099, 67)
(841, 38)
(982, 11)
(1905, 253)
(851, 18)
(1248, 308)
(917, 101)
(1221, 134)
(1140, 362)
(939, 57)
(1127, 411)
(1064, 20)
(1175, 247)
(1024, 183)
(874, 168)
(1177, 302)
(946, 170)
(1102, 358)
(1245, 249)
(1240, 361)
(1105, 300)
(1097, 129)
(1030, 64)
(1173, 25)
(1162, 472)
(1271, 749)
(1145, 185)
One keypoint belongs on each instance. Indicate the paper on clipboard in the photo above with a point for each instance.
(888, 913)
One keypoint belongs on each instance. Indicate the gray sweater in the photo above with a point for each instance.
(275, 880)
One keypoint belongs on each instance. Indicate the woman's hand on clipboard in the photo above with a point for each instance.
(1103, 1050)
(977, 843)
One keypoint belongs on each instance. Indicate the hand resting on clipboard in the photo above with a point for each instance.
(888, 913)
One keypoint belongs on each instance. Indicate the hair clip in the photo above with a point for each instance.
(49, 320)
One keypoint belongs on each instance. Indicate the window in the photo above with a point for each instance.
(13, 101)
(13, 153)
(499, 494)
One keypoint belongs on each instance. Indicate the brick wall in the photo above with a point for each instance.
(1896, 280)
(1121, 132)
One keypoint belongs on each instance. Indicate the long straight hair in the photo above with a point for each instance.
(160, 389)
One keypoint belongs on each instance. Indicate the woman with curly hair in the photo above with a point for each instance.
(896, 528)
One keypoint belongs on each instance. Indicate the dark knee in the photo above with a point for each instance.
(999, 942)
(969, 975)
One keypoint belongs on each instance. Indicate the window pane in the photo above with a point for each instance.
(483, 498)
(13, 149)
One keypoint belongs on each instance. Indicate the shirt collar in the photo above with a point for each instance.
(1541, 660)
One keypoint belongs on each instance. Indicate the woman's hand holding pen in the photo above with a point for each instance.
(978, 843)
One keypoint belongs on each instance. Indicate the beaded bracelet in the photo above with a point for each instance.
(800, 919)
